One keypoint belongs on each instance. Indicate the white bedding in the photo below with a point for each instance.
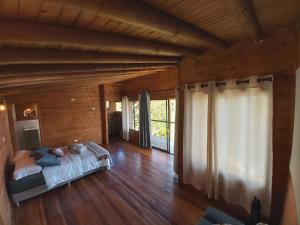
(73, 166)
(69, 169)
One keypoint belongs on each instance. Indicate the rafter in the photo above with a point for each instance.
(23, 70)
(28, 34)
(32, 88)
(6, 82)
(55, 56)
(144, 15)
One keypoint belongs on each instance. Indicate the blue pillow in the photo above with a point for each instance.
(41, 149)
(46, 159)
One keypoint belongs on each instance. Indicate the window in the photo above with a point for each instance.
(136, 115)
(119, 106)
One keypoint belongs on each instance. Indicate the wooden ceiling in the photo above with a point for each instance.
(122, 39)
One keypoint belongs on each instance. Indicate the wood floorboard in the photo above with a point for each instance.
(140, 189)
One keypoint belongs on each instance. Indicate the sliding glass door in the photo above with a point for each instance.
(163, 124)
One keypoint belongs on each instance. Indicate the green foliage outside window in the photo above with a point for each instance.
(119, 106)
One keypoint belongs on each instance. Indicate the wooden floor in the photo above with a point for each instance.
(139, 189)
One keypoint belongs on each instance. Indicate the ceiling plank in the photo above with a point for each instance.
(23, 70)
(144, 15)
(244, 13)
(55, 56)
(27, 33)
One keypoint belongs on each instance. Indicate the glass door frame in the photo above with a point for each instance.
(167, 124)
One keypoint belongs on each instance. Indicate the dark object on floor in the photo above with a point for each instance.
(214, 216)
(255, 211)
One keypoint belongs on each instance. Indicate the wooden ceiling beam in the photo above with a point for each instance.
(6, 82)
(144, 15)
(23, 70)
(28, 34)
(54, 56)
(47, 86)
(244, 13)
(79, 82)
(31, 88)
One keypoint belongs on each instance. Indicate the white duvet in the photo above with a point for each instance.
(73, 166)
(69, 169)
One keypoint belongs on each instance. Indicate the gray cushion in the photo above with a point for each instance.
(216, 216)
(204, 221)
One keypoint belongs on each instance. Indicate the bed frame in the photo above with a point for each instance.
(24, 195)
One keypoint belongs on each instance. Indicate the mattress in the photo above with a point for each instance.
(26, 183)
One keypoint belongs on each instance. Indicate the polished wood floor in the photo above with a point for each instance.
(139, 189)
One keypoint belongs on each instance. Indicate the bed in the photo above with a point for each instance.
(72, 167)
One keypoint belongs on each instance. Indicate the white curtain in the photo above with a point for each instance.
(177, 93)
(243, 142)
(195, 136)
(233, 152)
(125, 118)
(130, 111)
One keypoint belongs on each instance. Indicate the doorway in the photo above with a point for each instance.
(26, 124)
(163, 124)
(114, 119)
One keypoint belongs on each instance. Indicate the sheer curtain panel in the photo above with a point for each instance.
(195, 136)
(228, 140)
(125, 118)
(243, 141)
(177, 93)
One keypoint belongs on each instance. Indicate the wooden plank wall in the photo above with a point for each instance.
(290, 211)
(66, 114)
(276, 55)
(160, 85)
(5, 152)
(290, 206)
(113, 92)
(283, 124)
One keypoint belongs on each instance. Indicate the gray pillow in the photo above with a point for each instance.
(46, 159)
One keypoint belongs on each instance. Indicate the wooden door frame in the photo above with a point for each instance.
(12, 124)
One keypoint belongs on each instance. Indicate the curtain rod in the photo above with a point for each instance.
(221, 83)
(167, 89)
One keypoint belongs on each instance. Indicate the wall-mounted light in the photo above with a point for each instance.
(107, 104)
(2, 105)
